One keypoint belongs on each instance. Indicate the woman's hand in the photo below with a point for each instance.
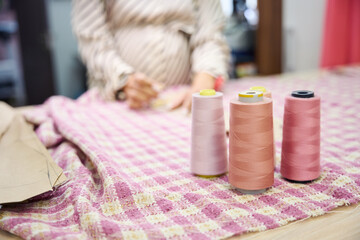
(139, 91)
(201, 81)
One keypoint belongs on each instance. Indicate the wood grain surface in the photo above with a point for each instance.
(340, 223)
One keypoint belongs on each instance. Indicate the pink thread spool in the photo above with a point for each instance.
(208, 136)
(300, 154)
(251, 155)
(267, 94)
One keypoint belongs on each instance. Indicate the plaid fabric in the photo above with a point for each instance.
(129, 171)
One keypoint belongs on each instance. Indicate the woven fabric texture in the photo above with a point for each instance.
(129, 171)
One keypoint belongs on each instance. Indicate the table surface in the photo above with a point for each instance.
(340, 223)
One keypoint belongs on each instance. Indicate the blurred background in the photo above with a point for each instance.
(38, 52)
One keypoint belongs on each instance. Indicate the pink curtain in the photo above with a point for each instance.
(341, 39)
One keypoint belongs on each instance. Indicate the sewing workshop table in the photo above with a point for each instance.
(339, 223)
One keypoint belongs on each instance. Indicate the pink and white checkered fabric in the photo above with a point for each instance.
(129, 171)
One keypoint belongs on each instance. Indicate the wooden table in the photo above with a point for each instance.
(341, 223)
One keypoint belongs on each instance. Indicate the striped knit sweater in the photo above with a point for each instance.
(168, 40)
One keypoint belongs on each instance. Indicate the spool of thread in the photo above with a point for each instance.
(268, 95)
(251, 156)
(208, 137)
(300, 154)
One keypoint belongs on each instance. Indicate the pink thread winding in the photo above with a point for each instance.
(251, 156)
(267, 94)
(208, 136)
(300, 154)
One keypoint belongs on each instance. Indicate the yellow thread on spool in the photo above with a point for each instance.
(258, 88)
(249, 96)
(207, 92)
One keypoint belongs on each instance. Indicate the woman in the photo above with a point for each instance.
(129, 46)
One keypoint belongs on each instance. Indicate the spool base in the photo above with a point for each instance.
(252, 192)
(302, 182)
(209, 176)
(299, 177)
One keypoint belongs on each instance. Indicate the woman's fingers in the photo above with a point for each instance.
(149, 92)
(139, 91)
(178, 101)
(140, 95)
(133, 104)
(187, 102)
(141, 81)
(137, 96)
(143, 85)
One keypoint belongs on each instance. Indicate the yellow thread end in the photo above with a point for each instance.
(258, 88)
(207, 92)
(250, 96)
(244, 95)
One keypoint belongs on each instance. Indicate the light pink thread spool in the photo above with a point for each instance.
(208, 136)
(300, 153)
